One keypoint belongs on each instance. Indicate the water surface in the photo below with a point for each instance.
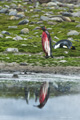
(19, 95)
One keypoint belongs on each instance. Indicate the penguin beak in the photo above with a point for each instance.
(72, 47)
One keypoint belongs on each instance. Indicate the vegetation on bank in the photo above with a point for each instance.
(19, 89)
(31, 49)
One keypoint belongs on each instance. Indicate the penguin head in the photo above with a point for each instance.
(43, 28)
(73, 48)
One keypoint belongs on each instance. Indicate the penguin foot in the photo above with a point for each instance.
(52, 56)
(46, 57)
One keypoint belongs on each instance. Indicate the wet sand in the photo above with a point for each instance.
(11, 67)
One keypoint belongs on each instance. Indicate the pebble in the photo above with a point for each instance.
(1, 36)
(66, 52)
(51, 23)
(18, 38)
(8, 37)
(20, 14)
(13, 12)
(15, 76)
(14, 18)
(63, 61)
(23, 64)
(55, 37)
(25, 21)
(13, 6)
(67, 14)
(5, 32)
(14, 27)
(12, 50)
(76, 14)
(49, 4)
(78, 25)
(24, 31)
(71, 39)
(73, 32)
(4, 10)
(44, 18)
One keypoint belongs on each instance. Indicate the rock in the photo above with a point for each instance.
(1, 36)
(71, 39)
(0, 7)
(23, 64)
(5, 32)
(20, 9)
(44, 18)
(55, 37)
(15, 76)
(24, 31)
(49, 13)
(49, 28)
(66, 19)
(7, 6)
(36, 4)
(51, 4)
(78, 25)
(76, 14)
(13, 6)
(4, 10)
(37, 10)
(58, 19)
(36, 28)
(67, 14)
(55, 18)
(25, 21)
(12, 50)
(63, 61)
(13, 12)
(7, 37)
(31, 7)
(29, 37)
(20, 14)
(35, 16)
(18, 38)
(14, 27)
(14, 18)
(51, 23)
(66, 52)
(40, 22)
(69, 5)
(73, 32)
(23, 45)
(32, 22)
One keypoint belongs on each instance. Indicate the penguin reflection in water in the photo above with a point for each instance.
(44, 94)
(46, 42)
(64, 44)
(27, 94)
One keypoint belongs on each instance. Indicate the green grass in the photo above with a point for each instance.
(33, 44)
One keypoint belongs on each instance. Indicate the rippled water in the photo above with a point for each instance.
(17, 104)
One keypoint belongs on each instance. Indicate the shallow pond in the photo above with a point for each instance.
(37, 96)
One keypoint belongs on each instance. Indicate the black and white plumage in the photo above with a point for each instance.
(64, 44)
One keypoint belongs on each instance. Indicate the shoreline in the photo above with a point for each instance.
(13, 67)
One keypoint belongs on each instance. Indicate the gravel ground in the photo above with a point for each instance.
(55, 70)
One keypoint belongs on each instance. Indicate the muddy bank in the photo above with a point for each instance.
(11, 67)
